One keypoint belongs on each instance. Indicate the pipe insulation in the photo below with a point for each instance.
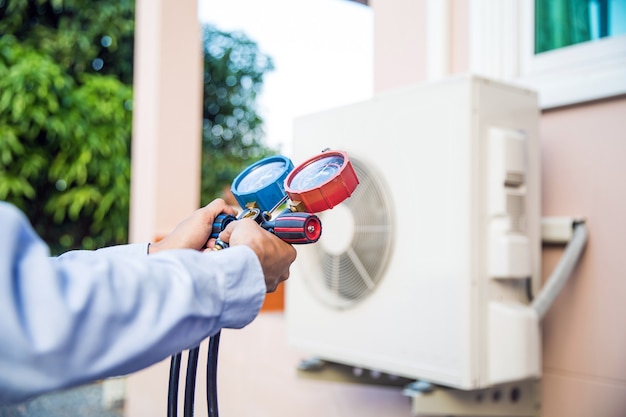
(562, 271)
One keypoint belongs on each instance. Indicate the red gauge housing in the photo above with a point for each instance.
(321, 182)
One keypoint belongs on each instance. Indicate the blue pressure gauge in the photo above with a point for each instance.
(262, 183)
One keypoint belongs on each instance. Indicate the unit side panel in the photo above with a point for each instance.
(513, 111)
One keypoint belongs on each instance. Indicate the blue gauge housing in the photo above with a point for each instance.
(262, 183)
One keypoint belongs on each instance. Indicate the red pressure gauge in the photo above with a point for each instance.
(321, 182)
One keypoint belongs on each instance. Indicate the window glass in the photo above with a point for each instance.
(561, 23)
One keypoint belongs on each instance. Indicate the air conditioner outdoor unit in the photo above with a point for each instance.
(426, 270)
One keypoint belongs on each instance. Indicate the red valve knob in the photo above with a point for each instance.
(295, 228)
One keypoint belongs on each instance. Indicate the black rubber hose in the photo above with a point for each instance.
(211, 375)
(172, 394)
(190, 381)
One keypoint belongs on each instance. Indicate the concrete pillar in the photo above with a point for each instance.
(165, 177)
(166, 146)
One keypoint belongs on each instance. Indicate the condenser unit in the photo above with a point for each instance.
(427, 269)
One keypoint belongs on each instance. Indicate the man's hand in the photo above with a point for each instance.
(275, 255)
(193, 232)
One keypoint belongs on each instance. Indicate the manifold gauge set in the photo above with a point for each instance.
(282, 199)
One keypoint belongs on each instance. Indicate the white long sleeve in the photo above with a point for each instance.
(87, 315)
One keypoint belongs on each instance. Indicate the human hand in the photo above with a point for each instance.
(194, 231)
(275, 255)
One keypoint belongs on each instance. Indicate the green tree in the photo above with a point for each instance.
(81, 36)
(65, 117)
(232, 133)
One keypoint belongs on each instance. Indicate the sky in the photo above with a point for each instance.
(322, 52)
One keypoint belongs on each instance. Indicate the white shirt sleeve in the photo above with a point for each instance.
(88, 315)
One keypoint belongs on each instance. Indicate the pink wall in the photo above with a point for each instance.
(403, 60)
(584, 345)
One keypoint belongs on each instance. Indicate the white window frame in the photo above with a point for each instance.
(502, 47)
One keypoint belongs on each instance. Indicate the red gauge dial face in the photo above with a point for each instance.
(322, 182)
(317, 173)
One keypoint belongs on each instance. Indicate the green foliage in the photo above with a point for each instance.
(81, 36)
(232, 134)
(65, 119)
(64, 149)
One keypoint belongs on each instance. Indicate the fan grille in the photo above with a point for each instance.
(348, 277)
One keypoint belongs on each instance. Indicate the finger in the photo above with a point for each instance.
(208, 213)
(219, 206)
(210, 244)
(225, 234)
(273, 288)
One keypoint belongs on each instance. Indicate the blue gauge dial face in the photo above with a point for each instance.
(261, 176)
(317, 173)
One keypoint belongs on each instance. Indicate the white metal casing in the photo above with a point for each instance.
(442, 312)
